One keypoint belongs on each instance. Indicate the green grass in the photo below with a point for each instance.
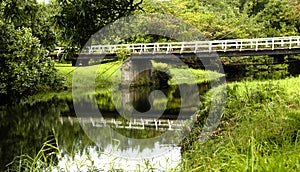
(110, 72)
(44, 160)
(105, 73)
(185, 75)
(259, 130)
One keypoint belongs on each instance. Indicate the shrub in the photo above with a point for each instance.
(24, 69)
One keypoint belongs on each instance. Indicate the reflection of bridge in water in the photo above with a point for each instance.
(138, 124)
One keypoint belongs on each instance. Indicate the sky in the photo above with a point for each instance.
(46, 1)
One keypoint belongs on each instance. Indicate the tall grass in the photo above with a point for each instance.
(259, 130)
(45, 158)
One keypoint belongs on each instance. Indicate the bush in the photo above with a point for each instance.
(24, 69)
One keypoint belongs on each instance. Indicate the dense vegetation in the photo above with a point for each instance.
(29, 29)
(260, 125)
(225, 19)
(24, 69)
(259, 130)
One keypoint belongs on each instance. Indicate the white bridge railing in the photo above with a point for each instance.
(255, 44)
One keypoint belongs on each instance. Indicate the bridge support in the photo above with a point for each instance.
(278, 58)
(136, 72)
(294, 66)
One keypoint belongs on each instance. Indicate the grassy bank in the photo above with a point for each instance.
(104, 72)
(109, 72)
(259, 130)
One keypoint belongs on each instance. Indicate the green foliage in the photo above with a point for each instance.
(280, 18)
(122, 55)
(259, 130)
(161, 74)
(24, 68)
(32, 15)
(231, 19)
(79, 20)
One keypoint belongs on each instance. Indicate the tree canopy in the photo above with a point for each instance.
(29, 28)
(230, 19)
(31, 14)
(25, 36)
(78, 20)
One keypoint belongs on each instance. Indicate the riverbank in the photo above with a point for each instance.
(259, 130)
(108, 73)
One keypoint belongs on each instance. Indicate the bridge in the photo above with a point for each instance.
(234, 47)
(276, 47)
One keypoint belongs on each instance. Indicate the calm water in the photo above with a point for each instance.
(92, 140)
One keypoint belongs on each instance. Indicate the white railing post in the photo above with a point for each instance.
(168, 48)
(256, 45)
(196, 47)
(273, 44)
(236, 44)
(290, 43)
(241, 46)
(90, 50)
(182, 48)
(210, 46)
(141, 49)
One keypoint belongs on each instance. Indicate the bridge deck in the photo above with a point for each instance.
(236, 47)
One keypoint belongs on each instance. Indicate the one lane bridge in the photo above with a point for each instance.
(275, 46)
(234, 47)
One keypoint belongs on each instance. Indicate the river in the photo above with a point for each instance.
(115, 139)
(92, 141)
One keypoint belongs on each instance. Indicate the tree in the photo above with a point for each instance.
(32, 15)
(280, 18)
(23, 67)
(25, 35)
(78, 20)
(216, 19)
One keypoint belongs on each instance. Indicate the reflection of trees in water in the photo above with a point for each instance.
(25, 127)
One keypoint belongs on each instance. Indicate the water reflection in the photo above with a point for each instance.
(116, 154)
(92, 159)
(26, 126)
